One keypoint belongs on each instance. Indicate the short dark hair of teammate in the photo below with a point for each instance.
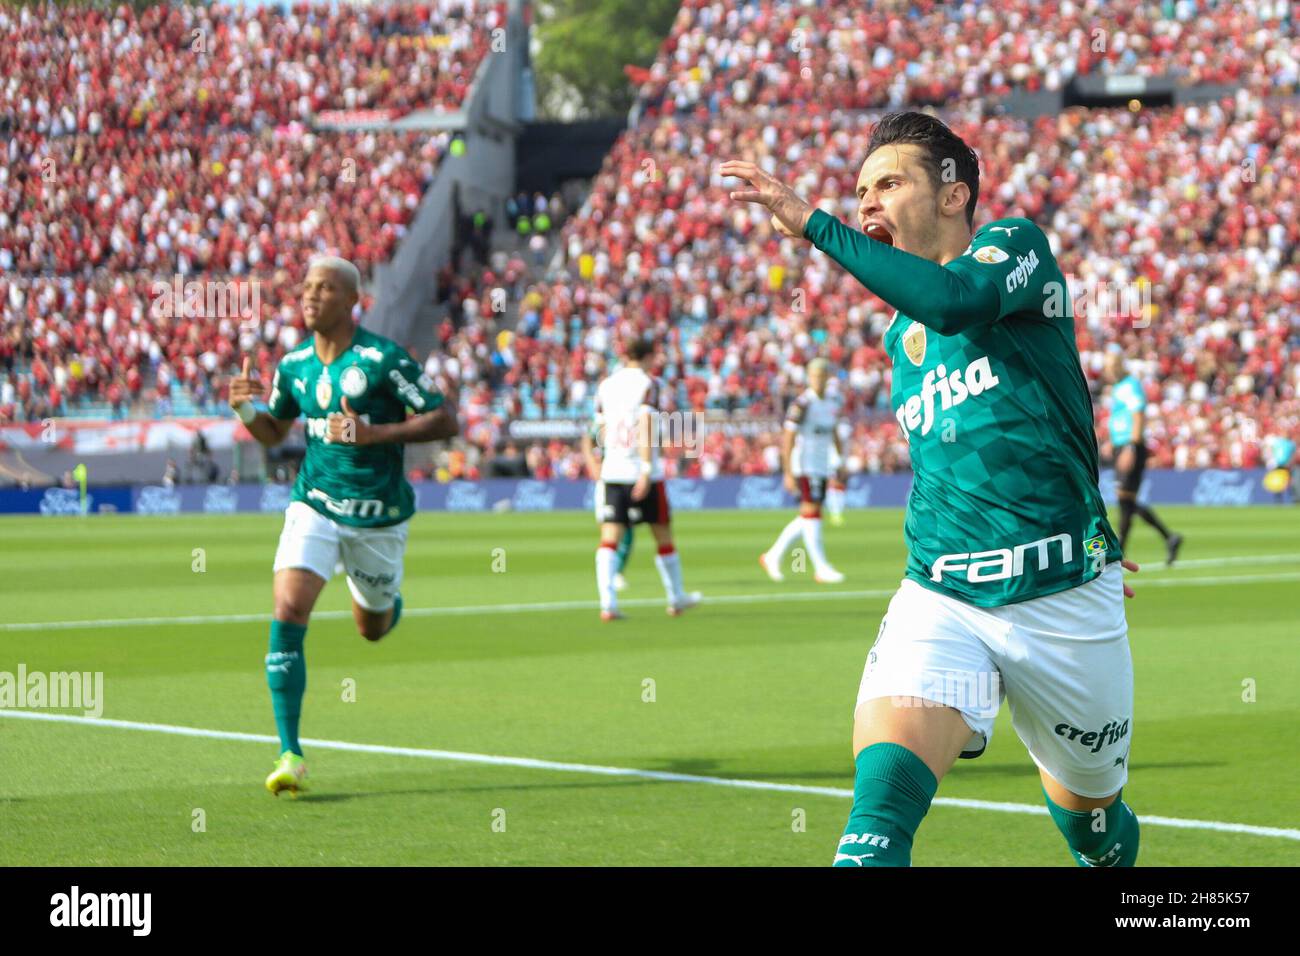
(947, 158)
(640, 347)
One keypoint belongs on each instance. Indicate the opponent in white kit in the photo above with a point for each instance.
(628, 405)
(806, 443)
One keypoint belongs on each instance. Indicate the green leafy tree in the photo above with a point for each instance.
(583, 46)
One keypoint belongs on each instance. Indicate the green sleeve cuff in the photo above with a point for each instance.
(813, 228)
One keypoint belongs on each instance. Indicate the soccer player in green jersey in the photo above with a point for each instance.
(1013, 585)
(351, 503)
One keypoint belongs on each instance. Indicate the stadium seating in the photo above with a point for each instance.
(1197, 202)
(81, 290)
(168, 66)
(174, 141)
(720, 58)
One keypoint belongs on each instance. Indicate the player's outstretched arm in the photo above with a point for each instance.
(244, 388)
(946, 300)
(925, 291)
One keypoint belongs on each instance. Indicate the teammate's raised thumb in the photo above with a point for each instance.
(244, 373)
(347, 409)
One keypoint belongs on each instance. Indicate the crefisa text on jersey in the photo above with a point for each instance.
(918, 410)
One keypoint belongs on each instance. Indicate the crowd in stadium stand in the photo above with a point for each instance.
(1178, 228)
(174, 143)
(1191, 209)
(724, 57)
(218, 201)
(179, 66)
(243, 208)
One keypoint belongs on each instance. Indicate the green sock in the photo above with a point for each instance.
(1106, 837)
(286, 674)
(397, 613)
(892, 790)
(624, 550)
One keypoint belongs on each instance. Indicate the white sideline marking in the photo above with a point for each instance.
(530, 763)
(763, 597)
(1238, 559)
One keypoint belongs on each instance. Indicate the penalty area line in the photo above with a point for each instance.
(663, 776)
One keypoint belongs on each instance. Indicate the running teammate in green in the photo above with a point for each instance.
(351, 503)
(1013, 586)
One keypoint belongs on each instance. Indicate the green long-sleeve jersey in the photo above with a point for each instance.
(988, 390)
(360, 485)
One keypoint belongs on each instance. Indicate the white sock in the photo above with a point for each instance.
(606, 564)
(670, 572)
(835, 501)
(787, 536)
(812, 539)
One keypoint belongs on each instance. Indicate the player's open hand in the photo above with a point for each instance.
(245, 386)
(791, 486)
(1128, 565)
(347, 428)
(789, 213)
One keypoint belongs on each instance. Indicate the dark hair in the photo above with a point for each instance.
(944, 151)
(640, 347)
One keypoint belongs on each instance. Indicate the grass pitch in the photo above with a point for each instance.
(501, 654)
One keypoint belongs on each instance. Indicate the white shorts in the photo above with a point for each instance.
(1062, 661)
(372, 557)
